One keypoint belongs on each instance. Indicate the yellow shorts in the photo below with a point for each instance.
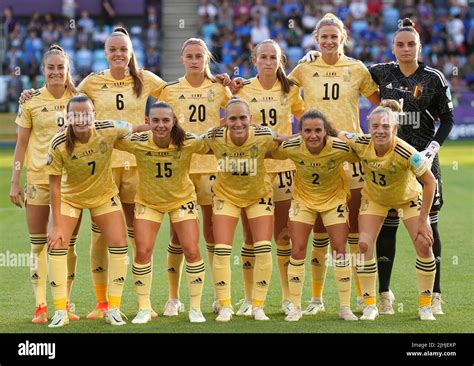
(264, 207)
(188, 211)
(301, 213)
(203, 184)
(405, 211)
(126, 180)
(112, 205)
(37, 194)
(282, 183)
(354, 174)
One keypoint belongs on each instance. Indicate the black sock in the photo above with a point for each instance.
(386, 243)
(436, 250)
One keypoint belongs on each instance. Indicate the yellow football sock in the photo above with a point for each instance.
(175, 268)
(99, 260)
(39, 266)
(71, 265)
(319, 254)
(195, 273)
(296, 272)
(221, 273)
(367, 272)
(117, 274)
(248, 265)
(58, 277)
(131, 236)
(142, 279)
(283, 259)
(262, 272)
(342, 274)
(353, 240)
(425, 276)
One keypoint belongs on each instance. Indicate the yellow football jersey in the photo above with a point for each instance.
(115, 100)
(319, 180)
(272, 108)
(164, 173)
(241, 175)
(390, 180)
(334, 89)
(89, 182)
(197, 110)
(43, 114)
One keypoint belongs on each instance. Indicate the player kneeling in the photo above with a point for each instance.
(319, 190)
(163, 158)
(392, 167)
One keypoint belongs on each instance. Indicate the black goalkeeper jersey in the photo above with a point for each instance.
(425, 94)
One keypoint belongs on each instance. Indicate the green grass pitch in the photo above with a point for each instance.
(456, 228)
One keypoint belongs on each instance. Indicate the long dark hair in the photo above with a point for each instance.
(177, 133)
(133, 63)
(313, 114)
(70, 136)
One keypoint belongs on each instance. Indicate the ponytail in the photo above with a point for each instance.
(135, 73)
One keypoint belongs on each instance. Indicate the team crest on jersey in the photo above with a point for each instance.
(346, 74)
(331, 164)
(102, 146)
(176, 154)
(32, 192)
(417, 91)
(294, 210)
(284, 99)
(253, 152)
(139, 209)
(211, 95)
(219, 204)
(392, 168)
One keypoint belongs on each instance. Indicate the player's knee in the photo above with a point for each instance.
(192, 254)
(298, 252)
(143, 255)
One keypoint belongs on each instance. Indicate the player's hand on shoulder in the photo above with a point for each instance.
(236, 85)
(311, 56)
(25, 95)
(224, 78)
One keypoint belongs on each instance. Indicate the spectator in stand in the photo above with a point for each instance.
(207, 9)
(259, 31)
(14, 88)
(86, 23)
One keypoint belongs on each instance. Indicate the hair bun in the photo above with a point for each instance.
(391, 104)
(407, 22)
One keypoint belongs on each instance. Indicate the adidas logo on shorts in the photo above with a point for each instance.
(197, 281)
